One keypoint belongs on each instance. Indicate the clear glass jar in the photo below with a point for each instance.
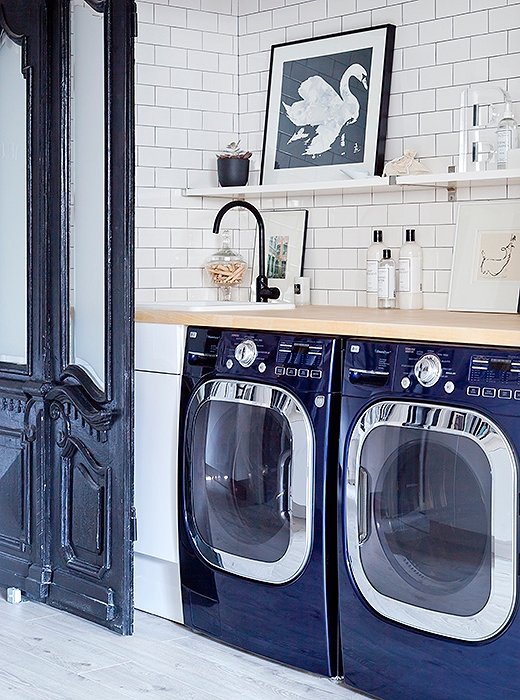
(226, 268)
(480, 112)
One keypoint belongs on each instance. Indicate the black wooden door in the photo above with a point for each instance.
(66, 406)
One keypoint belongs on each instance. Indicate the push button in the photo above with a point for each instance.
(517, 395)
(505, 394)
(303, 372)
(315, 373)
(279, 371)
(489, 393)
(473, 391)
(290, 371)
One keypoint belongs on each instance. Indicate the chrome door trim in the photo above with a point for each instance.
(500, 605)
(292, 563)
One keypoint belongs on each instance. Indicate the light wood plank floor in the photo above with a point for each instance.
(50, 655)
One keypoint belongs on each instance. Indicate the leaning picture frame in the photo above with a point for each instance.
(486, 263)
(285, 235)
(327, 107)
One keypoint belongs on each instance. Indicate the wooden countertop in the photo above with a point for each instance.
(393, 324)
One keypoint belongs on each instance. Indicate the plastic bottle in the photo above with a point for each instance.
(410, 273)
(507, 136)
(374, 255)
(386, 281)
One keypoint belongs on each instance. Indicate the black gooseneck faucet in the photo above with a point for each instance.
(263, 290)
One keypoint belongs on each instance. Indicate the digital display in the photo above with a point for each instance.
(300, 348)
(299, 354)
(500, 365)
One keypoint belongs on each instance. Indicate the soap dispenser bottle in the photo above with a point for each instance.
(507, 136)
(410, 273)
(386, 281)
(374, 255)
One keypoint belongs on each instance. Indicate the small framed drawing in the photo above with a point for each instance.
(486, 263)
(327, 107)
(285, 233)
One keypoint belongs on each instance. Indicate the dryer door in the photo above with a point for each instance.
(248, 479)
(431, 518)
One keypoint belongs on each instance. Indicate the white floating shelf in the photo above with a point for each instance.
(367, 184)
(488, 177)
(370, 184)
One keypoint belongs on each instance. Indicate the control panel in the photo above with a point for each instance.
(428, 370)
(420, 367)
(494, 376)
(301, 361)
(275, 356)
(299, 357)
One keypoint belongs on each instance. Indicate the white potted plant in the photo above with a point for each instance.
(233, 165)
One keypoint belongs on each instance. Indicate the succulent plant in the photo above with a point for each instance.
(232, 150)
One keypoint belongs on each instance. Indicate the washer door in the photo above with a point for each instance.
(431, 518)
(248, 494)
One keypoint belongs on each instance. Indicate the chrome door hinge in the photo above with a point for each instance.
(134, 20)
(133, 524)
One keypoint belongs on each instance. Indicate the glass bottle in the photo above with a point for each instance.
(374, 255)
(507, 136)
(386, 281)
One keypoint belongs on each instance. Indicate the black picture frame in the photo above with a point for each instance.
(327, 107)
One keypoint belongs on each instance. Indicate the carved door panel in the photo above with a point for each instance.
(24, 353)
(66, 407)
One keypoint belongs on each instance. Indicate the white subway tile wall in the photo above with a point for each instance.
(201, 82)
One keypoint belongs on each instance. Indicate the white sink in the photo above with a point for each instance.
(207, 305)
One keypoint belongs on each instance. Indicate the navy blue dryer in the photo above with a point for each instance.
(428, 555)
(259, 493)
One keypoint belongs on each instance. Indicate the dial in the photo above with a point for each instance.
(428, 369)
(246, 353)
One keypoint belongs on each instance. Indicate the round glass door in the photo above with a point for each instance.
(249, 478)
(240, 480)
(431, 511)
(431, 518)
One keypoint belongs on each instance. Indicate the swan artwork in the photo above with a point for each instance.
(325, 110)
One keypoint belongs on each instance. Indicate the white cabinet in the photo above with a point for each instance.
(159, 355)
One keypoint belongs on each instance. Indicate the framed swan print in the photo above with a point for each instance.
(327, 107)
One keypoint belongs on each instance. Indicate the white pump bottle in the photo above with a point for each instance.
(410, 273)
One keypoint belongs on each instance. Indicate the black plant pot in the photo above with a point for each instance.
(232, 172)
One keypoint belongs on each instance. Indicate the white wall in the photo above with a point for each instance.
(203, 64)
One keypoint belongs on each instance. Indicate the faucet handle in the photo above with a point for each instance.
(264, 291)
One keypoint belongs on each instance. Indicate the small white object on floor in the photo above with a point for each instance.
(14, 595)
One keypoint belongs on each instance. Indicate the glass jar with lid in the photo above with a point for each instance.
(226, 268)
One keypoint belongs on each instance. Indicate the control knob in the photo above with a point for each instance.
(246, 353)
(428, 370)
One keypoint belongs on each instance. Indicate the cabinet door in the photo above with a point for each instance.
(157, 574)
(66, 403)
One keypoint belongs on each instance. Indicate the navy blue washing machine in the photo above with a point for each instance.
(428, 555)
(258, 546)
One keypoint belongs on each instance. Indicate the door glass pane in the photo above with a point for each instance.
(13, 205)
(87, 192)
(239, 480)
(431, 511)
